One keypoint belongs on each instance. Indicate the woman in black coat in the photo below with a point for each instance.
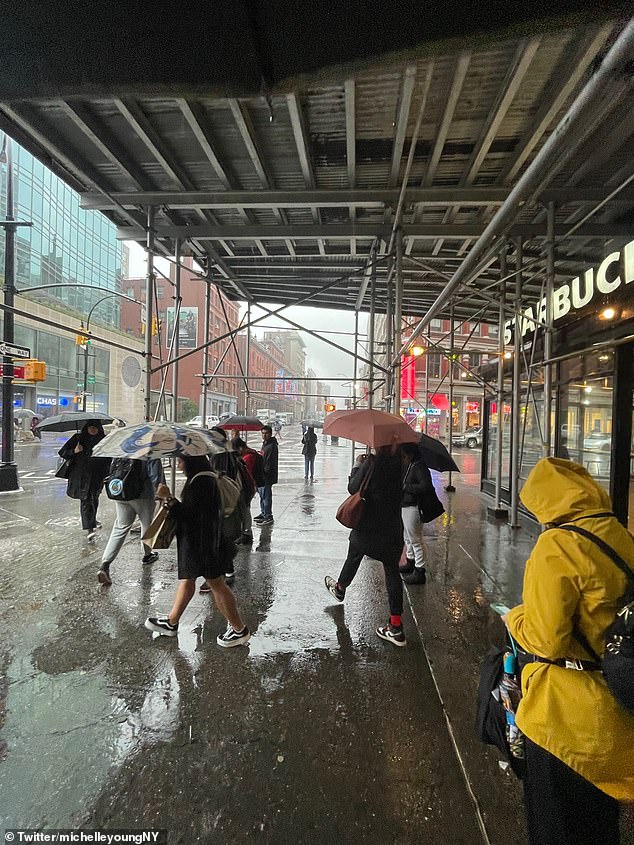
(379, 535)
(199, 521)
(309, 451)
(85, 473)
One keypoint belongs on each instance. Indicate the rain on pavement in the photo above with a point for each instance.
(316, 730)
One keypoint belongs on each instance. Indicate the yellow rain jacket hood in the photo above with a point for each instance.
(570, 583)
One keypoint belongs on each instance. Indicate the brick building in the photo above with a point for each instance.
(223, 393)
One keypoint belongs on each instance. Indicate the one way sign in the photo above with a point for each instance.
(13, 351)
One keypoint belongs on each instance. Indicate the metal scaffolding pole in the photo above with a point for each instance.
(452, 343)
(516, 400)
(248, 361)
(175, 348)
(149, 301)
(548, 331)
(203, 394)
(371, 337)
(389, 330)
(354, 375)
(398, 319)
(500, 511)
(426, 390)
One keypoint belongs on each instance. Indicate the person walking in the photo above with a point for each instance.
(85, 473)
(379, 535)
(309, 451)
(148, 475)
(34, 428)
(271, 458)
(199, 519)
(579, 740)
(253, 464)
(226, 463)
(417, 484)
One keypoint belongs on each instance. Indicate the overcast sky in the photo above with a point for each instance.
(326, 361)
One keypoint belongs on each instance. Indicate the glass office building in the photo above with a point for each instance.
(65, 244)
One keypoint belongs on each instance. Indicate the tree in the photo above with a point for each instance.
(187, 409)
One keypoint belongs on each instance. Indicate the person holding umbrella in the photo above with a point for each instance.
(309, 451)
(199, 524)
(417, 485)
(86, 473)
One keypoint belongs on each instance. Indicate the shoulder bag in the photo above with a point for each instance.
(351, 510)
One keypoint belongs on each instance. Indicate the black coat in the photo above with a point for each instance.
(310, 444)
(199, 528)
(381, 526)
(417, 484)
(86, 474)
(270, 455)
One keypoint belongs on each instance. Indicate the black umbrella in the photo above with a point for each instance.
(72, 420)
(312, 423)
(239, 422)
(436, 455)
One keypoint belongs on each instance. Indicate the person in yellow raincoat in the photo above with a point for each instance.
(579, 740)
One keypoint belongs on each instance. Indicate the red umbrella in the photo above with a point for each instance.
(238, 422)
(373, 428)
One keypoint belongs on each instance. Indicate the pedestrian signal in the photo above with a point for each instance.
(328, 407)
(34, 371)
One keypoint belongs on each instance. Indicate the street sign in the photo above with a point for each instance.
(18, 372)
(14, 351)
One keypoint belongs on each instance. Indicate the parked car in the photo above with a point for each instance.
(197, 421)
(470, 437)
(597, 441)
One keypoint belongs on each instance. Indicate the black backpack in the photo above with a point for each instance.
(617, 663)
(126, 480)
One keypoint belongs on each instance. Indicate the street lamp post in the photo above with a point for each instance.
(8, 468)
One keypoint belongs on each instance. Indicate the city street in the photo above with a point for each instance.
(317, 725)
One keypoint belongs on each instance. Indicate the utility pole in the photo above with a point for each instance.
(8, 468)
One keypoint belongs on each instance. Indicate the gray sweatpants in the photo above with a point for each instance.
(127, 512)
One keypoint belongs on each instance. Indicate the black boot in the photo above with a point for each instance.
(418, 576)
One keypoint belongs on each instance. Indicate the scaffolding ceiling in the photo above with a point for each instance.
(287, 195)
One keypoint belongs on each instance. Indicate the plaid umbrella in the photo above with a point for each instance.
(159, 440)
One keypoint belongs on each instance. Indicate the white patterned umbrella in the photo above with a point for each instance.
(158, 440)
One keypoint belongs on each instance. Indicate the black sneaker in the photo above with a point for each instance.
(150, 558)
(91, 534)
(259, 518)
(230, 575)
(103, 576)
(418, 576)
(392, 635)
(266, 520)
(204, 588)
(245, 540)
(408, 566)
(334, 589)
(161, 625)
(231, 638)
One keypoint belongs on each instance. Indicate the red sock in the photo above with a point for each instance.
(395, 621)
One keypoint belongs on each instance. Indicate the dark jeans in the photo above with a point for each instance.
(309, 466)
(390, 559)
(562, 808)
(88, 510)
(266, 500)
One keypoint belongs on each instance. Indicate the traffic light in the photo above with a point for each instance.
(34, 371)
(328, 407)
(82, 340)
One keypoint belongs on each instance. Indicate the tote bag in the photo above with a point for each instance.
(162, 530)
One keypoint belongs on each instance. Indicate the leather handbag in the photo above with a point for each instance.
(63, 468)
(162, 529)
(350, 512)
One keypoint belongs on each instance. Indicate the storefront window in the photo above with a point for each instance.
(585, 413)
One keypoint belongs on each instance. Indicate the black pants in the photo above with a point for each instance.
(389, 558)
(88, 510)
(562, 808)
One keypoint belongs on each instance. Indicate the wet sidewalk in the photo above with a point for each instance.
(317, 730)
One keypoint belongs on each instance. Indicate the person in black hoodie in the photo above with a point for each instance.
(417, 485)
(379, 535)
(85, 473)
(198, 537)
